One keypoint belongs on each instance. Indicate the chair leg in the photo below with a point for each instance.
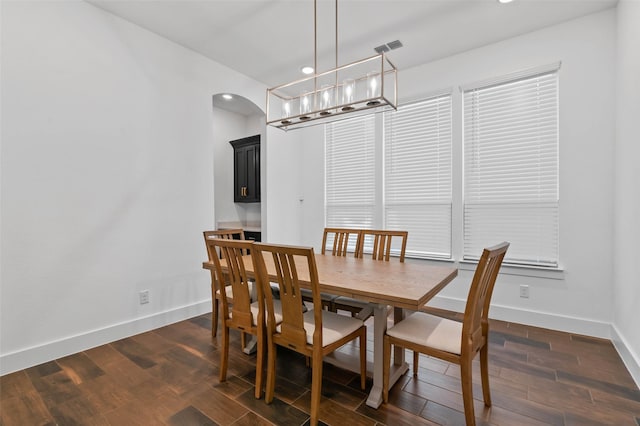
(484, 372)
(363, 358)
(467, 391)
(214, 315)
(316, 387)
(271, 373)
(243, 340)
(386, 361)
(224, 355)
(416, 359)
(259, 367)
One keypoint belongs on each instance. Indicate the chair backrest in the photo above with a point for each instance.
(291, 265)
(227, 234)
(232, 252)
(341, 239)
(476, 313)
(382, 243)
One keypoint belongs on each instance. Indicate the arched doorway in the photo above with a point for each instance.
(234, 117)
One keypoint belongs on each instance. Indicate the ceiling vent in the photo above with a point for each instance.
(394, 44)
(387, 47)
(381, 49)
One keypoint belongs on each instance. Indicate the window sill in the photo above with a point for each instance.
(520, 270)
(506, 268)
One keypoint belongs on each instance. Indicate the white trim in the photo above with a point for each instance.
(563, 323)
(29, 357)
(505, 269)
(526, 73)
(519, 270)
(630, 359)
(419, 97)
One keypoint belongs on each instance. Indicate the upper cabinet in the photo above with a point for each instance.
(246, 170)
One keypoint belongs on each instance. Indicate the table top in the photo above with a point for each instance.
(407, 285)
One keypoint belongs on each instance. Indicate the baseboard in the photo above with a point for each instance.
(534, 318)
(631, 360)
(557, 322)
(29, 357)
(35, 355)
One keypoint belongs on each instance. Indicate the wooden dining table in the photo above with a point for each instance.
(407, 285)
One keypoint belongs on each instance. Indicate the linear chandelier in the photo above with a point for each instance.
(361, 87)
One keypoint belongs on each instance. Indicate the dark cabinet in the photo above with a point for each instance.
(246, 169)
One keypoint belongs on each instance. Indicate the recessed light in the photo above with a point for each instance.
(504, 1)
(227, 97)
(307, 70)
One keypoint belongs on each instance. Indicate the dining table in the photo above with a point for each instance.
(406, 286)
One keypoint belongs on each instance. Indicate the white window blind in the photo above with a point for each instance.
(511, 168)
(350, 173)
(417, 175)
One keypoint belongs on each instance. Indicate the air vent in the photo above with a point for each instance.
(381, 49)
(394, 44)
(389, 46)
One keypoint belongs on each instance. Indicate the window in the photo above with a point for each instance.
(350, 197)
(396, 171)
(511, 167)
(414, 191)
(417, 175)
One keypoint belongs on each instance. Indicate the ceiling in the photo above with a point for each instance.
(269, 40)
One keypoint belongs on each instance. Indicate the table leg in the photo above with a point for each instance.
(251, 346)
(398, 352)
(398, 368)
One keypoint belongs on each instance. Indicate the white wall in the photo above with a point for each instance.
(626, 276)
(312, 191)
(581, 300)
(281, 207)
(107, 178)
(229, 126)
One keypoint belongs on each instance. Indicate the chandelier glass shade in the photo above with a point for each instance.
(361, 87)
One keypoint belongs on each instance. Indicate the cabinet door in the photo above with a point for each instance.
(252, 191)
(246, 176)
(239, 174)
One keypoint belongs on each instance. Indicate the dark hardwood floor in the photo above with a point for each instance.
(169, 376)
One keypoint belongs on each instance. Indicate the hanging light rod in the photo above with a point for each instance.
(361, 87)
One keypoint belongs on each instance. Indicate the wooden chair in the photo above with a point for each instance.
(245, 316)
(339, 247)
(454, 341)
(314, 333)
(230, 234)
(341, 239)
(381, 250)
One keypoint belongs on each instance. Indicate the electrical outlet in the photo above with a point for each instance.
(144, 297)
(524, 291)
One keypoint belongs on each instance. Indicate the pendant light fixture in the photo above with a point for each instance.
(365, 86)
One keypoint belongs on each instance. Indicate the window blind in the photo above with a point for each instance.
(511, 168)
(350, 173)
(417, 175)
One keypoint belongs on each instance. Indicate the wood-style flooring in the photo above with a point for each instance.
(169, 376)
